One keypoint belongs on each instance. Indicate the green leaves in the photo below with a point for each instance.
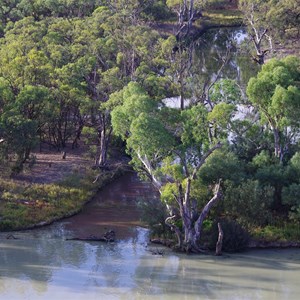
(276, 94)
(136, 120)
(195, 126)
(221, 114)
(149, 137)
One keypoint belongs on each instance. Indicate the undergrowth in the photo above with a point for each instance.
(30, 205)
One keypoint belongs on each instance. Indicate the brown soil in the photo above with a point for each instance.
(50, 167)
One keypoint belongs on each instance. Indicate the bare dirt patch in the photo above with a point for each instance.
(50, 166)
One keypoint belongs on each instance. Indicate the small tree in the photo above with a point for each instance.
(276, 94)
(255, 15)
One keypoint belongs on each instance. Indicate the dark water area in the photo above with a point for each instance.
(214, 46)
(114, 208)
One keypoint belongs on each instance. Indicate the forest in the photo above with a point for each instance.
(98, 73)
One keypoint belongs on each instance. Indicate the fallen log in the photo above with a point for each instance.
(96, 239)
(107, 237)
(164, 242)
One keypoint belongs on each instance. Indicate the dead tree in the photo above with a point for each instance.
(220, 240)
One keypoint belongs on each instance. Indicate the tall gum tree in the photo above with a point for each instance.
(169, 146)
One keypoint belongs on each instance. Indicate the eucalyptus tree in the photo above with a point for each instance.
(46, 55)
(25, 72)
(186, 11)
(19, 55)
(275, 92)
(8, 12)
(170, 146)
(269, 22)
(120, 48)
(283, 17)
(40, 9)
(259, 29)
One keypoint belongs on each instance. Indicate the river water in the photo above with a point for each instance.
(42, 264)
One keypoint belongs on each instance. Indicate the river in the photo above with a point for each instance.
(42, 264)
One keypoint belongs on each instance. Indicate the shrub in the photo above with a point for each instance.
(235, 239)
(153, 213)
(248, 202)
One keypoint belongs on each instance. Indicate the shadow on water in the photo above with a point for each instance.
(127, 270)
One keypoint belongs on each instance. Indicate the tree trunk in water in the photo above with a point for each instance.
(193, 233)
(220, 240)
(176, 230)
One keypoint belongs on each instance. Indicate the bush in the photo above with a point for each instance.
(154, 214)
(235, 239)
(248, 202)
(278, 232)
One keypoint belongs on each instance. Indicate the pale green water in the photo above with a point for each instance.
(41, 264)
(42, 268)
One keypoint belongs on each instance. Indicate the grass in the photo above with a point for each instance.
(30, 205)
(276, 233)
(223, 18)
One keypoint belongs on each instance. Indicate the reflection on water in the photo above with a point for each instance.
(41, 264)
(49, 268)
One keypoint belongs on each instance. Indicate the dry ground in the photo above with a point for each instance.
(49, 166)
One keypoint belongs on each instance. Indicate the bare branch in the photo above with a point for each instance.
(217, 196)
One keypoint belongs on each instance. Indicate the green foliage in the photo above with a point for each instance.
(263, 159)
(168, 193)
(221, 115)
(158, 11)
(225, 90)
(153, 213)
(222, 164)
(195, 124)
(20, 135)
(248, 202)
(149, 136)
(294, 167)
(282, 233)
(276, 94)
(134, 102)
